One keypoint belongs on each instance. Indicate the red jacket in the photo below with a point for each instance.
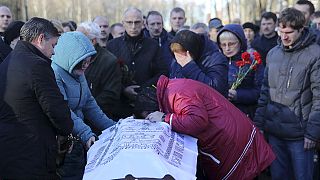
(230, 146)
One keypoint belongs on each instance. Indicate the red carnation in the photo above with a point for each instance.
(245, 56)
(240, 63)
(257, 57)
(259, 61)
(248, 61)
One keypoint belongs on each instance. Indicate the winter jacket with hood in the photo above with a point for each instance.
(249, 90)
(211, 68)
(230, 146)
(289, 104)
(72, 48)
(32, 114)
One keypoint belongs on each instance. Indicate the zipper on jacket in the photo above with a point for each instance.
(159, 41)
(289, 79)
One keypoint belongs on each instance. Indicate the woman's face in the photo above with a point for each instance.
(249, 33)
(84, 65)
(230, 47)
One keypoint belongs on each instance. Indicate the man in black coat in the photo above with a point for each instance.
(141, 58)
(154, 29)
(32, 109)
(4, 50)
(264, 43)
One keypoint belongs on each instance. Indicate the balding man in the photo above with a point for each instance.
(103, 22)
(5, 18)
(141, 57)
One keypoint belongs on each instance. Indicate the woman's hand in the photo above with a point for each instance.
(155, 116)
(183, 58)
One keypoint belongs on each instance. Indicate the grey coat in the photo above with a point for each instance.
(289, 103)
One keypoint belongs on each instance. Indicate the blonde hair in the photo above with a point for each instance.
(227, 35)
(176, 47)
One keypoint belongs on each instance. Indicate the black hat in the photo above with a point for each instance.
(250, 25)
(190, 41)
(12, 31)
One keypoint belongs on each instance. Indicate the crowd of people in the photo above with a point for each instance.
(249, 93)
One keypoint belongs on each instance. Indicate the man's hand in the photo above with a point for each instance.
(90, 142)
(309, 144)
(130, 91)
(155, 116)
(183, 58)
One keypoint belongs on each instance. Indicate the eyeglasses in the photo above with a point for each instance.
(229, 44)
(133, 22)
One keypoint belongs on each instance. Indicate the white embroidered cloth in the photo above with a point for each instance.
(143, 149)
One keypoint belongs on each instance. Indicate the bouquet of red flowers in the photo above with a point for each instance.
(245, 59)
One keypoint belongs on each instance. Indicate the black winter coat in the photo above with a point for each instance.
(32, 113)
(4, 50)
(143, 59)
(104, 80)
(142, 56)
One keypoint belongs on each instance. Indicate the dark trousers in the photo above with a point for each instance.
(74, 163)
(292, 161)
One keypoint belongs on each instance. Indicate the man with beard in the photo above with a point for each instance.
(155, 30)
(269, 37)
(103, 22)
